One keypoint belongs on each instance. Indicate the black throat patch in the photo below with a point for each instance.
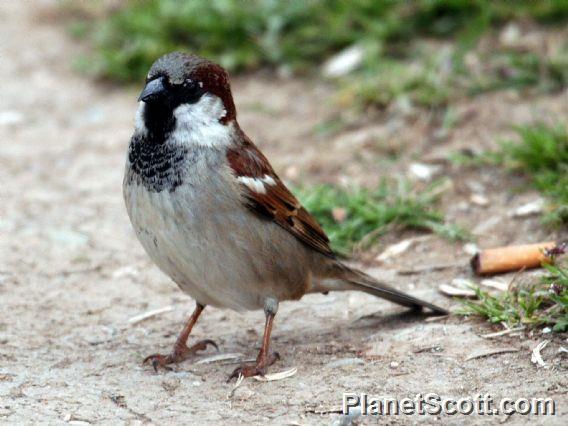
(159, 167)
(159, 121)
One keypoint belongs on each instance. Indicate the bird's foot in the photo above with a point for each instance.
(179, 354)
(256, 369)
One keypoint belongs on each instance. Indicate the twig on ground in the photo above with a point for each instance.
(139, 318)
(437, 318)
(320, 410)
(237, 384)
(430, 268)
(435, 348)
(503, 332)
(488, 352)
(68, 272)
(505, 418)
(220, 357)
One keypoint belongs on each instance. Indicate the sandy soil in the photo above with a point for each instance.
(72, 273)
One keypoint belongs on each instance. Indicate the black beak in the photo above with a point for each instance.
(155, 89)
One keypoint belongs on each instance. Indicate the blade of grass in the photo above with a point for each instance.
(542, 304)
(370, 213)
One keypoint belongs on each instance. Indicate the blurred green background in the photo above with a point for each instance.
(418, 54)
(430, 51)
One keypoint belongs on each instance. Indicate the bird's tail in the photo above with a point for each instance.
(347, 278)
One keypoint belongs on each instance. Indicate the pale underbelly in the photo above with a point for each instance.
(222, 258)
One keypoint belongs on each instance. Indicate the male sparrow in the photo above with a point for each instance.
(214, 216)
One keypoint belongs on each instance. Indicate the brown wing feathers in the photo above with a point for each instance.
(267, 195)
(275, 201)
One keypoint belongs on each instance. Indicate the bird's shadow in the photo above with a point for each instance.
(390, 320)
(357, 330)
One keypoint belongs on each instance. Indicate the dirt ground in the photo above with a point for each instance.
(72, 273)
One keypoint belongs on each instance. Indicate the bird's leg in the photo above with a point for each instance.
(180, 351)
(265, 358)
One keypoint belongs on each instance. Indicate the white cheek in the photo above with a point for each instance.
(139, 124)
(199, 123)
(209, 109)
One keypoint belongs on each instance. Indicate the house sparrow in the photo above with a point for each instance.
(214, 216)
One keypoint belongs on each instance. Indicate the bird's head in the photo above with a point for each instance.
(184, 90)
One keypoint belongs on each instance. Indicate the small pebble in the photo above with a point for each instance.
(423, 172)
(345, 362)
(471, 249)
(344, 62)
(529, 209)
(479, 200)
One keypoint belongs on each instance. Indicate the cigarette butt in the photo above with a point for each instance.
(510, 258)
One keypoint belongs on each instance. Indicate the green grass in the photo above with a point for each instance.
(542, 304)
(370, 213)
(300, 35)
(435, 77)
(471, 159)
(541, 152)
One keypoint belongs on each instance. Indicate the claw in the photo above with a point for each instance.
(158, 360)
(202, 345)
(234, 375)
(247, 371)
(178, 355)
(265, 358)
(258, 369)
(151, 357)
(159, 363)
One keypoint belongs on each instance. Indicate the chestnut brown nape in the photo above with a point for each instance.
(179, 66)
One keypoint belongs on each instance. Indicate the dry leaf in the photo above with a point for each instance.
(452, 291)
(395, 249)
(536, 357)
(277, 376)
(496, 284)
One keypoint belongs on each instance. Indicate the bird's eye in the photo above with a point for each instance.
(188, 91)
